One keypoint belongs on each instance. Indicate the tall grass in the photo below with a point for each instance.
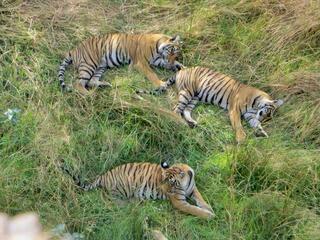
(263, 189)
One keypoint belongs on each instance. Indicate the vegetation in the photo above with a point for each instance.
(266, 188)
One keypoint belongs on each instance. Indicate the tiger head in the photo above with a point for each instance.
(179, 176)
(169, 51)
(267, 108)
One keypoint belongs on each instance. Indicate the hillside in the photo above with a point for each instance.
(266, 188)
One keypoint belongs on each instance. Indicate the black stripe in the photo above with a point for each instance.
(88, 72)
(135, 173)
(117, 53)
(208, 94)
(204, 84)
(254, 101)
(151, 52)
(209, 88)
(119, 190)
(111, 177)
(190, 176)
(157, 46)
(190, 94)
(124, 187)
(215, 84)
(129, 169)
(217, 94)
(230, 93)
(95, 65)
(187, 99)
(111, 59)
(212, 74)
(220, 100)
(84, 78)
(87, 66)
(249, 118)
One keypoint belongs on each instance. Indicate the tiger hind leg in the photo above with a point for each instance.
(85, 74)
(95, 79)
(188, 110)
(183, 101)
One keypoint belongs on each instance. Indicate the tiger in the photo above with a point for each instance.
(152, 181)
(96, 54)
(208, 86)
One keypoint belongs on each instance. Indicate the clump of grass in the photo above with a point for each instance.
(293, 173)
(269, 216)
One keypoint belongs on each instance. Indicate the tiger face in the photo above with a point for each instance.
(170, 53)
(266, 111)
(180, 176)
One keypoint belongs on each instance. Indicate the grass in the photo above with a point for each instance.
(263, 189)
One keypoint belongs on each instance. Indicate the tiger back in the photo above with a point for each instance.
(96, 54)
(151, 181)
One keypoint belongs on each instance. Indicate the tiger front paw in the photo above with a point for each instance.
(261, 133)
(240, 136)
(192, 124)
(177, 67)
(208, 214)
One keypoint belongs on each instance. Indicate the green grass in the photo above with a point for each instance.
(263, 189)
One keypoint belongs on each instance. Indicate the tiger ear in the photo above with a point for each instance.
(175, 39)
(164, 165)
(278, 102)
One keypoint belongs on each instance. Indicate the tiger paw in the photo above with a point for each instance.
(104, 85)
(192, 124)
(261, 133)
(208, 214)
(66, 89)
(240, 136)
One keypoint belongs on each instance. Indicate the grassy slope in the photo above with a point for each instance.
(264, 189)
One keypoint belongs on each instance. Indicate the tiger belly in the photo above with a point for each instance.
(147, 193)
(139, 181)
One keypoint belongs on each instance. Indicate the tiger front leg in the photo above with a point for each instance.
(145, 69)
(256, 124)
(235, 118)
(186, 207)
(196, 196)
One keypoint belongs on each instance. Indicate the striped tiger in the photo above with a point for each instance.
(93, 56)
(205, 85)
(152, 181)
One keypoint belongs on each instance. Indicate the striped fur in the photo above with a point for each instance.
(93, 56)
(151, 181)
(208, 86)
